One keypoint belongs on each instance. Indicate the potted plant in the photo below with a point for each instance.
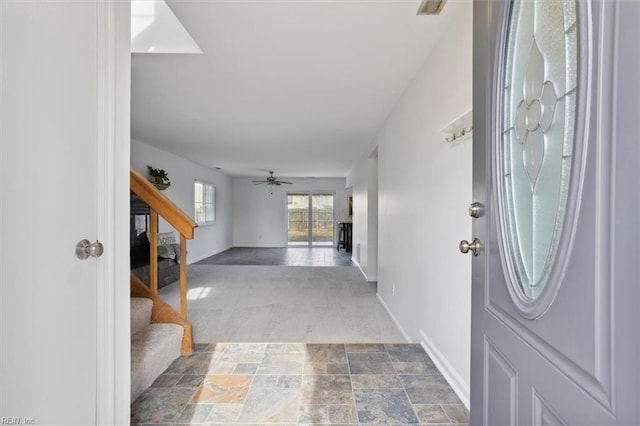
(159, 178)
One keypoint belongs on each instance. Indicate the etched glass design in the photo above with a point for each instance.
(540, 77)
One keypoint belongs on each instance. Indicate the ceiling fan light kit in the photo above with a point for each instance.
(271, 181)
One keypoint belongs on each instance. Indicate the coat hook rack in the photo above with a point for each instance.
(459, 129)
(459, 135)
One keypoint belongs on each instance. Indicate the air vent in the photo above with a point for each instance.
(431, 7)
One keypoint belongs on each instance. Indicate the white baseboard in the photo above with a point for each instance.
(364, 274)
(457, 383)
(366, 277)
(204, 256)
(393, 318)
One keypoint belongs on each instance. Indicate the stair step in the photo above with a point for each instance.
(140, 313)
(153, 349)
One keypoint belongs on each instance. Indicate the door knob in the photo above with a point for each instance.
(86, 248)
(475, 209)
(474, 246)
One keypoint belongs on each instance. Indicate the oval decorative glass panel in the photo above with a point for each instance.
(539, 104)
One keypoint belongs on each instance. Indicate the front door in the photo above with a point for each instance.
(57, 152)
(555, 322)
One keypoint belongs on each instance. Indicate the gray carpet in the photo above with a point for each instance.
(153, 346)
(283, 304)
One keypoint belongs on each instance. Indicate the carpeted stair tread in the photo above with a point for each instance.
(140, 313)
(153, 349)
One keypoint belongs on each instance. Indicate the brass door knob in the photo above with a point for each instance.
(474, 246)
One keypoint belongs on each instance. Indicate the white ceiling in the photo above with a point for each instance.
(299, 87)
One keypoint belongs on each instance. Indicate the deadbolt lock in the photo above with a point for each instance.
(475, 210)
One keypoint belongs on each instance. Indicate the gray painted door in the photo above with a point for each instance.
(555, 322)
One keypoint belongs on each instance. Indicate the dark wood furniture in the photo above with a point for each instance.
(168, 269)
(344, 236)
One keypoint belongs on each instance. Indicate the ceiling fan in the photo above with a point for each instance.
(271, 181)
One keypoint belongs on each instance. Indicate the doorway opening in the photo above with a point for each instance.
(310, 219)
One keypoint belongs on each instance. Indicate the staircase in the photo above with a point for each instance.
(159, 334)
(153, 346)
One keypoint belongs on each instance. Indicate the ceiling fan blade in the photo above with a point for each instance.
(271, 181)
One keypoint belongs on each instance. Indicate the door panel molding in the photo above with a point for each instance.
(598, 389)
(494, 357)
(544, 414)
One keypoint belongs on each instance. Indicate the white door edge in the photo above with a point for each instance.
(112, 165)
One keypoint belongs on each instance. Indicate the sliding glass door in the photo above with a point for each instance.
(310, 219)
(298, 211)
(322, 220)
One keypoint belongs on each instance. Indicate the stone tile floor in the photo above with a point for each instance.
(261, 383)
(281, 256)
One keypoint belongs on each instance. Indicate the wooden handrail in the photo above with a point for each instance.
(161, 204)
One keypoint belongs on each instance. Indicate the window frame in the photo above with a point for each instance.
(212, 203)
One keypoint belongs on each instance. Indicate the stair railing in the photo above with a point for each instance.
(160, 205)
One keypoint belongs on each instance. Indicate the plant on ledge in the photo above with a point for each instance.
(159, 177)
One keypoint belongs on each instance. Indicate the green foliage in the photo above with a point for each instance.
(317, 235)
(159, 175)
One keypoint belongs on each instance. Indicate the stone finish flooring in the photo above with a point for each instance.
(264, 384)
(290, 256)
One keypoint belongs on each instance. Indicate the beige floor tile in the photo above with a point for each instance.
(227, 389)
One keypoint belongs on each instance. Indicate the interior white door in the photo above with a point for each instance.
(555, 322)
(52, 180)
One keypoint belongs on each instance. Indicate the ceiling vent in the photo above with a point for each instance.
(431, 7)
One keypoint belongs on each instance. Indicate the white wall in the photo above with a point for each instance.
(423, 195)
(260, 219)
(363, 180)
(357, 180)
(209, 239)
(372, 217)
